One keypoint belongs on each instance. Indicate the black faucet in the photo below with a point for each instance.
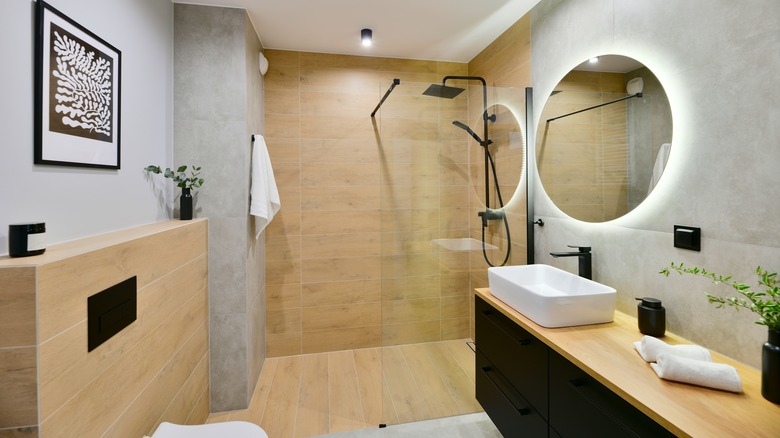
(584, 255)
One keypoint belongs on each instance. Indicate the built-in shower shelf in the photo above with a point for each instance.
(462, 244)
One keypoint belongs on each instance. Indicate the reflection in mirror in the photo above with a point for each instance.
(604, 138)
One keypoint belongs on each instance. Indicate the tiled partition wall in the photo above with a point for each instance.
(582, 158)
(361, 198)
(218, 105)
(156, 369)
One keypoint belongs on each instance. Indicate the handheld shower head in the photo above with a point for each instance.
(464, 127)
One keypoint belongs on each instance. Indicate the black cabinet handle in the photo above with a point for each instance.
(502, 326)
(582, 388)
(488, 371)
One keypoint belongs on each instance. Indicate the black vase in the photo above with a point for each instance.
(185, 210)
(770, 367)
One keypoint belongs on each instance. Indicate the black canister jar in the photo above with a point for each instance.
(651, 316)
(26, 239)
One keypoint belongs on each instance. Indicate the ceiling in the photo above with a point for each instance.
(442, 30)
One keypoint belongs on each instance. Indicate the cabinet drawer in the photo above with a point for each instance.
(509, 411)
(580, 403)
(517, 354)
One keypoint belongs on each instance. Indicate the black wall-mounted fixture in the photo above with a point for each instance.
(111, 310)
(447, 92)
(389, 90)
(687, 237)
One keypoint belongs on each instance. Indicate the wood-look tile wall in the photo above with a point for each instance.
(582, 158)
(18, 364)
(154, 370)
(506, 66)
(362, 198)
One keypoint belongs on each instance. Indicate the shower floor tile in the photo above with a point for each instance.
(317, 394)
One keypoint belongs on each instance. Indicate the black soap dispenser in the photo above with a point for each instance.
(652, 316)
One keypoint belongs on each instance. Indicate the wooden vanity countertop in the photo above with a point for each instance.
(606, 352)
(64, 250)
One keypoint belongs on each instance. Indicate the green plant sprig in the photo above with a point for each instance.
(765, 304)
(180, 176)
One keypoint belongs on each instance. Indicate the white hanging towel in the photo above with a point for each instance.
(264, 196)
(660, 164)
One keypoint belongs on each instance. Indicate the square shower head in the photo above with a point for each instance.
(444, 91)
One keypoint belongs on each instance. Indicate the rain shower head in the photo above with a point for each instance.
(442, 90)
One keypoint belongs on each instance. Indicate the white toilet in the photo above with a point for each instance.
(232, 429)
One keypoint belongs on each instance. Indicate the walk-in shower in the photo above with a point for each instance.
(448, 92)
(427, 243)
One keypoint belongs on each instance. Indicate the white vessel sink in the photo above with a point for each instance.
(552, 297)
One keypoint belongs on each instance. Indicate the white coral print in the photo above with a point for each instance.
(84, 86)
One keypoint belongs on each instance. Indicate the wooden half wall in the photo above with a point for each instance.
(156, 369)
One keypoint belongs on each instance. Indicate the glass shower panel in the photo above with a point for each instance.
(430, 193)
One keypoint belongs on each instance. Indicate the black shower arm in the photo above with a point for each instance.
(484, 91)
(595, 106)
(389, 90)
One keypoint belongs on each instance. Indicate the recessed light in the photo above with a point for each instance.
(594, 60)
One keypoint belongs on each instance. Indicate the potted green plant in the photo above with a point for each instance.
(765, 303)
(185, 182)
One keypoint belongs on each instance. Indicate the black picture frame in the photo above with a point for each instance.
(77, 94)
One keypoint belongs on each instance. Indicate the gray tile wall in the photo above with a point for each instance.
(217, 106)
(713, 58)
(255, 260)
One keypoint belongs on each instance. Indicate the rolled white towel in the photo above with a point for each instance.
(709, 374)
(649, 348)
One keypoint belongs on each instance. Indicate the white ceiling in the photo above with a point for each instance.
(442, 30)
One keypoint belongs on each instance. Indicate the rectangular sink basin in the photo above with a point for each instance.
(552, 297)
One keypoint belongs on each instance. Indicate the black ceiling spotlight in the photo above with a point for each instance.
(365, 37)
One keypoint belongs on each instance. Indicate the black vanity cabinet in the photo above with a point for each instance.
(511, 374)
(529, 390)
(579, 403)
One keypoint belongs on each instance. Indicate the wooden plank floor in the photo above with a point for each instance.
(316, 394)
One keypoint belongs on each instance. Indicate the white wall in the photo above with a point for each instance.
(76, 202)
(718, 62)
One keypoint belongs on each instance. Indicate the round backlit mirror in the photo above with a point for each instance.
(604, 138)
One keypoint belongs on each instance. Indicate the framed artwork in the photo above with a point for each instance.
(77, 94)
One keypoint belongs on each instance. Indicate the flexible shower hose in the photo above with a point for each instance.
(506, 222)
